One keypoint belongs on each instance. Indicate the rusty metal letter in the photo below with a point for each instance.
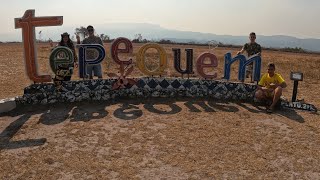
(28, 23)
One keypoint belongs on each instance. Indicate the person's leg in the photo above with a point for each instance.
(263, 96)
(249, 70)
(89, 71)
(276, 97)
(98, 71)
(260, 95)
(67, 78)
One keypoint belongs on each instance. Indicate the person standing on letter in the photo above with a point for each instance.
(91, 54)
(252, 48)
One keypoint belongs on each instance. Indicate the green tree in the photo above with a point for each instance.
(104, 37)
(82, 30)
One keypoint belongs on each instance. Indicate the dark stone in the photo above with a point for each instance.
(176, 84)
(102, 90)
(187, 84)
(164, 83)
(141, 83)
(152, 84)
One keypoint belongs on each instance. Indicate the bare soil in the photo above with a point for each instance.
(159, 138)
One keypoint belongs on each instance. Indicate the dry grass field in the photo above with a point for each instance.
(159, 138)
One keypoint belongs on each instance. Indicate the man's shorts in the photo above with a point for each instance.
(249, 68)
(95, 69)
(269, 94)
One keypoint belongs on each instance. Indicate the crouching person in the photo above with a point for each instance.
(270, 87)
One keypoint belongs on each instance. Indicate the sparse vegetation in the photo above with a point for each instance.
(286, 62)
(295, 50)
(149, 138)
(104, 37)
(82, 30)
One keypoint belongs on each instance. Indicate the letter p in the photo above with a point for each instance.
(84, 62)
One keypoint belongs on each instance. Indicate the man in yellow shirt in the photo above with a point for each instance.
(270, 87)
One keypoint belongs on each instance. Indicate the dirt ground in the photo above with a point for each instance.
(159, 138)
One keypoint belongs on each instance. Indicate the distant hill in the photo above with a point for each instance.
(156, 32)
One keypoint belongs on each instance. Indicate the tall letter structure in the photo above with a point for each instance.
(60, 55)
(28, 23)
(189, 61)
(115, 50)
(141, 59)
(256, 60)
(83, 61)
(228, 60)
(201, 64)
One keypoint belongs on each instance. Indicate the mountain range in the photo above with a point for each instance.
(156, 32)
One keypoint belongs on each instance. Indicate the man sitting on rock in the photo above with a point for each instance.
(270, 87)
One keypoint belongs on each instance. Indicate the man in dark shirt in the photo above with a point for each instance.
(92, 54)
(252, 48)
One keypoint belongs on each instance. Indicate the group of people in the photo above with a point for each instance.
(92, 70)
(270, 85)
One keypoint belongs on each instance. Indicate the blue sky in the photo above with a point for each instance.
(232, 17)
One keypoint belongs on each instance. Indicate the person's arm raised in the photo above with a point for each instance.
(78, 38)
(242, 50)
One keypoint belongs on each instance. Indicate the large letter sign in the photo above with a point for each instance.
(62, 64)
(28, 23)
(83, 61)
(122, 45)
(256, 70)
(60, 55)
(228, 60)
(189, 61)
(201, 65)
(141, 59)
(115, 50)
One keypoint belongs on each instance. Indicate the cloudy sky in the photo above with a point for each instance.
(224, 17)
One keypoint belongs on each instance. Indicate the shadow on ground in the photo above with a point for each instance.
(128, 110)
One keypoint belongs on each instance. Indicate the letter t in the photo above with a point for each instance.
(28, 23)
